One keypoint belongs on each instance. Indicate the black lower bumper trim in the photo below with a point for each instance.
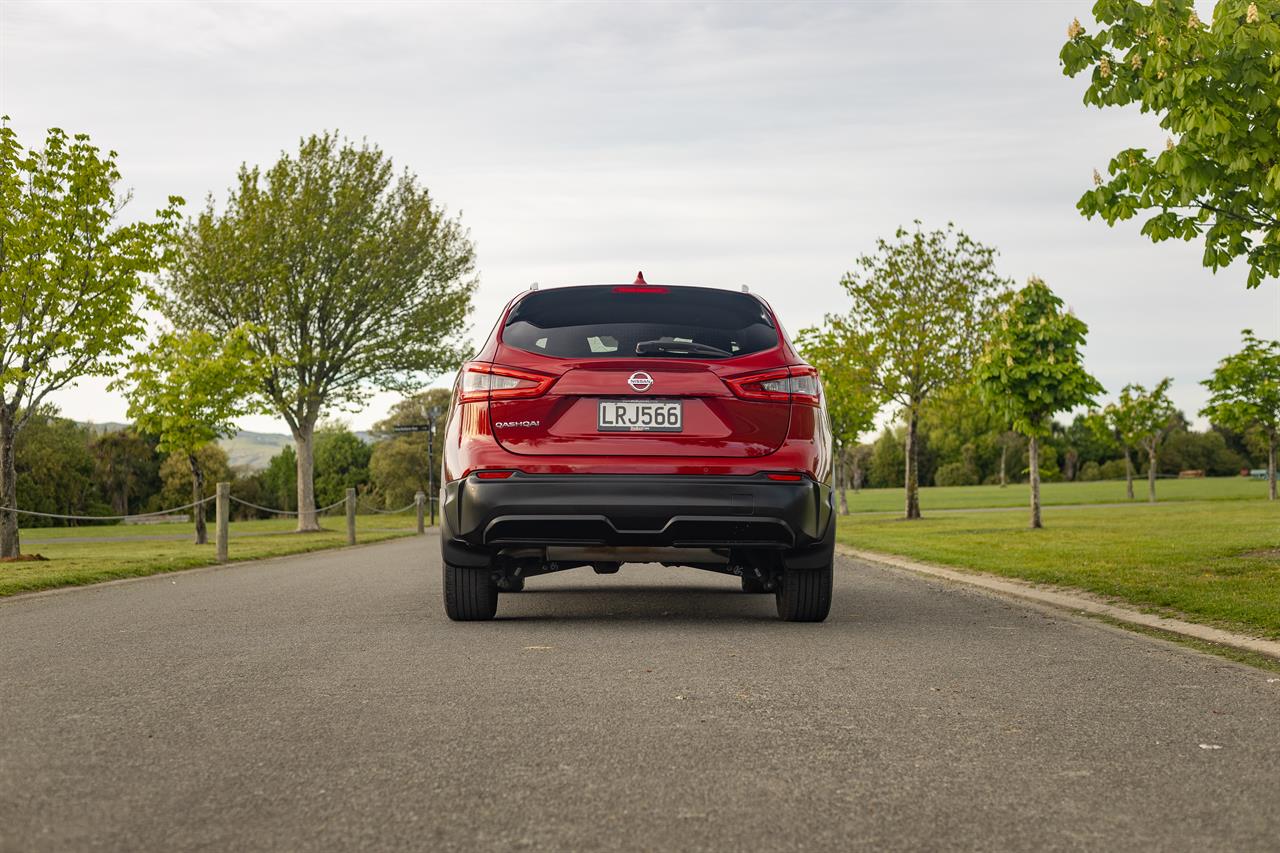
(676, 511)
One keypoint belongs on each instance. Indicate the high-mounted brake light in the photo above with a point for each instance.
(639, 286)
(795, 384)
(483, 381)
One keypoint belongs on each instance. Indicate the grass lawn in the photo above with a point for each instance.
(1216, 562)
(1104, 491)
(72, 563)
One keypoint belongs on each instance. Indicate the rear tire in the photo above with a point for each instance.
(753, 585)
(470, 594)
(804, 595)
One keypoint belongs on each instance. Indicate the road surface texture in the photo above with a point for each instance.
(323, 702)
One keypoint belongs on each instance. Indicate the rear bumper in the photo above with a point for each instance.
(646, 510)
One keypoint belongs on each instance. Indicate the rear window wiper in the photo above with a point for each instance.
(680, 348)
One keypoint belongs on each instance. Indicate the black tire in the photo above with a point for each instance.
(470, 594)
(511, 585)
(804, 595)
(752, 584)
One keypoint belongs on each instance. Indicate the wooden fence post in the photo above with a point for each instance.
(351, 516)
(419, 500)
(222, 505)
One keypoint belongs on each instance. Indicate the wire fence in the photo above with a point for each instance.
(157, 512)
(177, 509)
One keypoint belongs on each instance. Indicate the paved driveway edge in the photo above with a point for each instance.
(1066, 600)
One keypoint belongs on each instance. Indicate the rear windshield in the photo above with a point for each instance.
(604, 322)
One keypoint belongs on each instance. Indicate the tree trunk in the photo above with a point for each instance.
(304, 445)
(1271, 466)
(1152, 468)
(197, 495)
(913, 468)
(842, 477)
(857, 472)
(1004, 455)
(1033, 459)
(1128, 474)
(9, 544)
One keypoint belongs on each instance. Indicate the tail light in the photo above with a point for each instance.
(795, 384)
(483, 381)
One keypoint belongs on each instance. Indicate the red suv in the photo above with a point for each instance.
(637, 423)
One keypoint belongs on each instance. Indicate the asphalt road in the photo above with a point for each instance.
(323, 702)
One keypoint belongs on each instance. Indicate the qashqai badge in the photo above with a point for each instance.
(640, 382)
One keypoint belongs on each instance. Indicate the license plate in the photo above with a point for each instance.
(639, 416)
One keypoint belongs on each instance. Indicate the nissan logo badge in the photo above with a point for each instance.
(640, 381)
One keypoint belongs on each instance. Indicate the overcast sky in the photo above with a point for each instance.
(718, 144)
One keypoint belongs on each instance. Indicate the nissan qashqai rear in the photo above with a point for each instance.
(604, 425)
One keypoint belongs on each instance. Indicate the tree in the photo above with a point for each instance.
(187, 391)
(1244, 394)
(280, 481)
(837, 352)
(400, 465)
(1030, 369)
(1142, 420)
(55, 469)
(354, 279)
(71, 282)
(175, 473)
(1216, 90)
(126, 467)
(918, 303)
(342, 462)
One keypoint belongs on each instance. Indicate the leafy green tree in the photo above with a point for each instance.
(188, 390)
(280, 481)
(72, 280)
(400, 465)
(355, 279)
(1030, 369)
(55, 469)
(175, 474)
(885, 467)
(1244, 394)
(919, 302)
(838, 352)
(1216, 90)
(342, 462)
(1142, 419)
(126, 467)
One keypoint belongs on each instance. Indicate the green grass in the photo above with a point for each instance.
(74, 563)
(1058, 494)
(1211, 562)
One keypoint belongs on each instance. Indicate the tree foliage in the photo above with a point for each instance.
(400, 465)
(1030, 369)
(126, 467)
(1244, 394)
(1142, 419)
(354, 280)
(342, 462)
(919, 303)
(1216, 90)
(72, 280)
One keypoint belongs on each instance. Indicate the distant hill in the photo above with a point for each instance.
(245, 449)
(253, 450)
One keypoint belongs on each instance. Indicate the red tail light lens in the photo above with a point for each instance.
(493, 475)
(482, 381)
(795, 384)
(786, 478)
(771, 385)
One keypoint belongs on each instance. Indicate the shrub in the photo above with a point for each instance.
(955, 474)
(1089, 472)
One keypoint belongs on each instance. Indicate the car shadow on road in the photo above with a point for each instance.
(637, 603)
